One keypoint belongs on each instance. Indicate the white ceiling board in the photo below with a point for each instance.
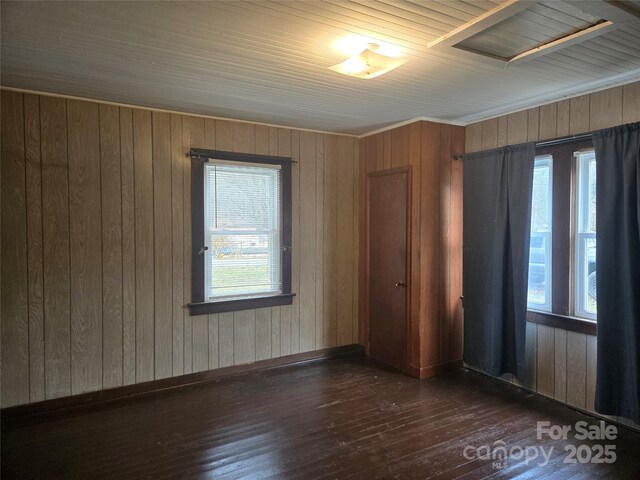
(266, 61)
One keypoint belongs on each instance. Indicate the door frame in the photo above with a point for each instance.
(380, 173)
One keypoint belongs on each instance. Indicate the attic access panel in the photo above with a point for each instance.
(539, 25)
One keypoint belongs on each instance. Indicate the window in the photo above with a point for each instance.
(241, 215)
(562, 260)
(585, 248)
(539, 294)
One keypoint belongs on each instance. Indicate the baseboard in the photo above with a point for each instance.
(559, 402)
(14, 415)
(436, 369)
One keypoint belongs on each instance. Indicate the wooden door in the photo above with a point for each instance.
(387, 240)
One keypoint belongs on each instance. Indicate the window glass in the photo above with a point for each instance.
(242, 230)
(585, 272)
(539, 289)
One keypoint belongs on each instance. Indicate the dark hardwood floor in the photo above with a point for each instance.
(340, 418)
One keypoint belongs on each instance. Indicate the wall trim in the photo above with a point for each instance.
(618, 81)
(35, 412)
(432, 370)
(163, 110)
(597, 415)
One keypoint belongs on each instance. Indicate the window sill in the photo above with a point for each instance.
(573, 324)
(204, 308)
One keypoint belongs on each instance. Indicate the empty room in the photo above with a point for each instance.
(320, 239)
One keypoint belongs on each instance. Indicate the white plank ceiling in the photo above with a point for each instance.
(266, 61)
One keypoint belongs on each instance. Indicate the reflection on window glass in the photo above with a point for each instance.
(586, 295)
(539, 289)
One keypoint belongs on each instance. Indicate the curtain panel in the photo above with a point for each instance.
(618, 270)
(497, 222)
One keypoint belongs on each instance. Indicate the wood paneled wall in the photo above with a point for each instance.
(559, 363)
(96, 247)
(435, 281)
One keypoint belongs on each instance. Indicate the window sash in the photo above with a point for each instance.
(544, 161)
(583, 235)
(220, 264)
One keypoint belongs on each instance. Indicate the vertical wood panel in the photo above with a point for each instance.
(263, 333)
(319, 242)
(517, 127)
(177, 243)
(502, 131)
(295, 262)
(199, 338)
(545, 361)
(55, 237)
(631, 102)
(128, 248)
(85, 246)
(548, 121)
(34, 247)
(605, 109)
(110, 176)
(15, 308)
(355, 244)
(562, 122)
(163, 311)
(225, 339)
(244, 337)
(415, 159)
(579, 115)
(576, 369)
(455, 245)
(429, 242)
(489, 129)
(143, 173)
(307, 243)
(187, 246)
(590, 391)
(445, 316)
(400, 146)
(214, 344)
(533, 124)
(330, 247)
(530, 374)
(473, 136)
(560, 365)
(387, 149)
(344, 239)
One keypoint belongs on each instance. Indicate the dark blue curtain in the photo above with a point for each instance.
(497, 222)
(618, 270)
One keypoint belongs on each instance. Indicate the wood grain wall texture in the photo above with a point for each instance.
(560, 364)
(96, 247)
(435, 268)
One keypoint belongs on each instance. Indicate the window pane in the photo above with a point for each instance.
(242, 230)
(586, 293)
(539, 289)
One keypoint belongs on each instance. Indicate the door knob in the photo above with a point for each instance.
(401, 284)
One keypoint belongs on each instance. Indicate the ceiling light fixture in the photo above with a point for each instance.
(369, 63)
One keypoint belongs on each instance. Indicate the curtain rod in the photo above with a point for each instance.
(546, 143)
